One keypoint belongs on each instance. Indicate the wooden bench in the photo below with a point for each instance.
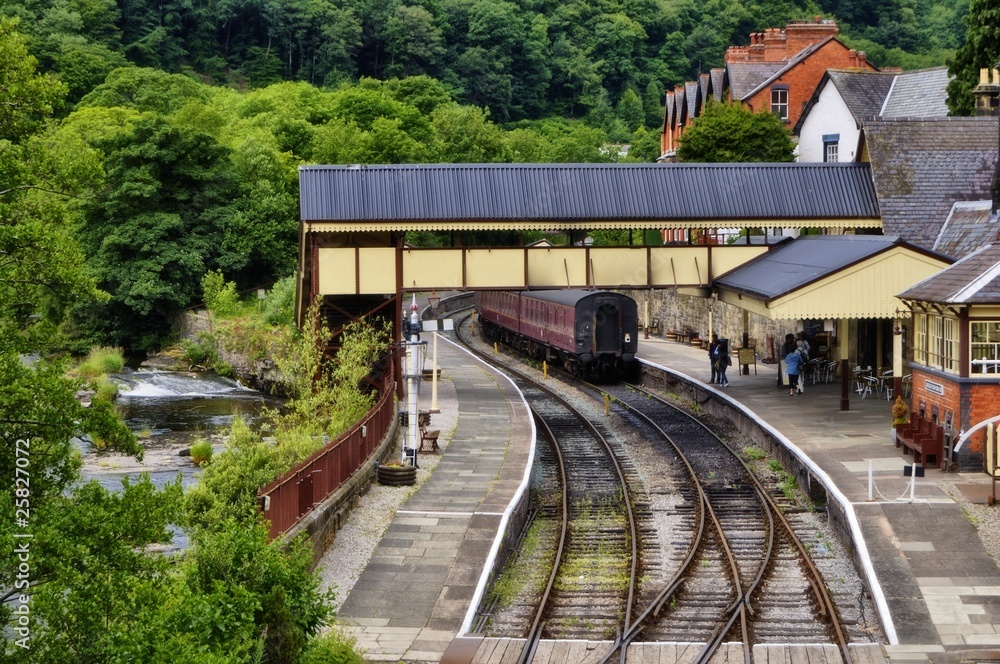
(924, 438)
(429, 440)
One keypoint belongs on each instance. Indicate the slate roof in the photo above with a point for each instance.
(969, 227)
(863, 92)
(920, 93)
(569, 192)
(870, 94)
(745, 77)
(718, 75)
(973, 280)
(922, 166)
(692, 94)
(790, 64)
(802, 261)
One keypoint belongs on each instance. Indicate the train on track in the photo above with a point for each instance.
(590, 333)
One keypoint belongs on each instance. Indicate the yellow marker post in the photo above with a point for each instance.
(545, 369)
(496, 348)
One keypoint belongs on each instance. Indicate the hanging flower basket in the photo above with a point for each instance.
(396, 475)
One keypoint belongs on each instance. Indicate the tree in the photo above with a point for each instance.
(152, 233)
(415, 43)
(730, 132)
(630, 110)
(981, 50)
(467, 135)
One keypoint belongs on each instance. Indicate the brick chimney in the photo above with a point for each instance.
(800, 34)
(774, 45)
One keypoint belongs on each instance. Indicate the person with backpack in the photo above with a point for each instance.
(803, 351)
(793, 366)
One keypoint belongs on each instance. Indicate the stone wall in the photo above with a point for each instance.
(258, 374)
(683, 313)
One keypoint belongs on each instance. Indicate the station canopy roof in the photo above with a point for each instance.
(830, 277)
(586, 196)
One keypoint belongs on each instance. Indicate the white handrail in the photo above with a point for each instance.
(964, 436)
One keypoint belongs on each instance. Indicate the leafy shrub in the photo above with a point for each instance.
(102, 360)
(279, 303)
(201, 351)
(220, 295)
(333, 647)
(107, 390)
(201, 452)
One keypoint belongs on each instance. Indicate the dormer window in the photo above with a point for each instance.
(779, 101)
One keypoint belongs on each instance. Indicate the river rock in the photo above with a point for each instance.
(169, 359)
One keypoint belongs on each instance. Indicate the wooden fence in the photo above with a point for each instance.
(294, 494)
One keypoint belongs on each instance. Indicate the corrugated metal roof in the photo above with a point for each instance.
(803, 261)
(973, 280)
(569, 192)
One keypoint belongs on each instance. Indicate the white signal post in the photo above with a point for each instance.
(413, 386)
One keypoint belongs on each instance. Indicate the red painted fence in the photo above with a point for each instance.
(293, 495)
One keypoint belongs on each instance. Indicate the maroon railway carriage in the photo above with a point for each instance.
(588, 332)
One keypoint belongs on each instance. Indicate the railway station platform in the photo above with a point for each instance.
(931, 574)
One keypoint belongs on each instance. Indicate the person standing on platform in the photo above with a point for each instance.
(803, 350)
(713, 358)
(723, 362)
(793, 366)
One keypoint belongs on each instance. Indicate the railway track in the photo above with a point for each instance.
(772, 593)
(715, 558)
(589, 587)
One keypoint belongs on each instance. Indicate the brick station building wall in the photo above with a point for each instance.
(970, 401)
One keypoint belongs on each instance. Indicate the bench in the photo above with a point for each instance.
(429, 440)
(924, 438)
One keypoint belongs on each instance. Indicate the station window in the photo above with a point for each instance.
(984, 351)
(935, 342)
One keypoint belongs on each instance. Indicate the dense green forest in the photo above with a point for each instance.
(169, 134)
(522, 60)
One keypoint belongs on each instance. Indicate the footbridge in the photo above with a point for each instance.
(370, 235)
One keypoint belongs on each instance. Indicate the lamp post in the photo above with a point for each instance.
(433, 300)
(412, 385)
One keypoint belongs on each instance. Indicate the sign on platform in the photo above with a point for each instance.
(443, 325)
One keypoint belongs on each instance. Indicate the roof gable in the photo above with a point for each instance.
(973, 280)
(829, 276)
(969, 227)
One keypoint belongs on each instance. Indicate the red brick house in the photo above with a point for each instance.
(779, 71)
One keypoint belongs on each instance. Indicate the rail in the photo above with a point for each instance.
(292, 495)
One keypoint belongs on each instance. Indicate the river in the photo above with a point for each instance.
(168, 411)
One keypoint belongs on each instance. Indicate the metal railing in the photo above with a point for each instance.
(291, 496)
